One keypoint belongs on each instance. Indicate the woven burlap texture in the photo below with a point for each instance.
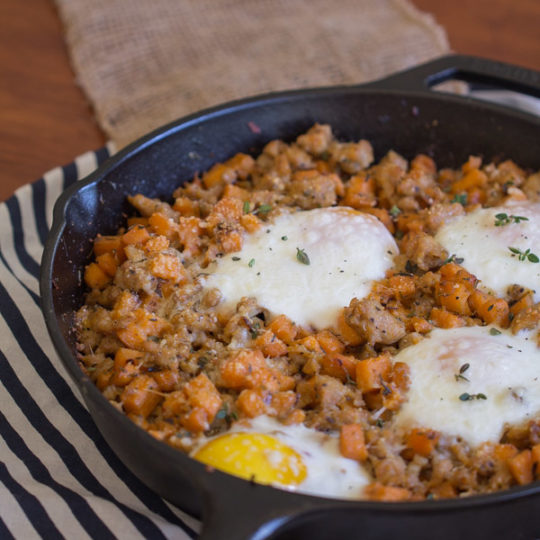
(143, 64)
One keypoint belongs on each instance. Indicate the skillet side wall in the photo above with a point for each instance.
(445, 127)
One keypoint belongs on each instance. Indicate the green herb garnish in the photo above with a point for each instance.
(504, 219)
(524, 255)
(460, 198)
(302, 256)
(459, 376)
(469, 397)
(284, 238)
(494, 332)
(454, 259)
(251, 263)
(246, 208)
(263, 209)
(394, 211)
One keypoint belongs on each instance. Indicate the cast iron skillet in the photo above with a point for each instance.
(398, 113)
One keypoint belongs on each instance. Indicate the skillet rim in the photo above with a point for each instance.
(90, 391)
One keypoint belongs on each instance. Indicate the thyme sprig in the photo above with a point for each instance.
(459, 376)
(505, 219)
(524, 255)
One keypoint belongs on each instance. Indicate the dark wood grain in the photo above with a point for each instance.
(504, 30)
(45, 119)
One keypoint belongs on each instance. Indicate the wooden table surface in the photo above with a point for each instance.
(45, 120)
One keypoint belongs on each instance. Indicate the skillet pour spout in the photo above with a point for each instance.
(400, 113)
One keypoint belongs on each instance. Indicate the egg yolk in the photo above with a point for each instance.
(254, 456)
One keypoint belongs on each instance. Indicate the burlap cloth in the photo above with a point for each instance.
(143, 63)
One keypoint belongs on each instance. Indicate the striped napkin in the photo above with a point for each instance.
(58, 477)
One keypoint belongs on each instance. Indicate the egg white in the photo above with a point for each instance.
(504, 368)
(484, 247)
(329, 474)
(346, 250)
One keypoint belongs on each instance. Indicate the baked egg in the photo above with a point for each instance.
(307, 264)
(499, 245)
(469, 382)
(291, 457)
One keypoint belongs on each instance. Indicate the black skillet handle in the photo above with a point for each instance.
(464, 68)
(234, 509)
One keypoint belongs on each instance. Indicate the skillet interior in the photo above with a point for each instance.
(448, 128)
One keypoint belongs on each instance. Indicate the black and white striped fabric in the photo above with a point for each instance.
(58, 477)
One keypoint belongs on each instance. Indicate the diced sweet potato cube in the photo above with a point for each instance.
(444, 319)
(186, 206)
(126, 366)
(422, 441)
(141, 396)
(490, 309)
(167, 266)
(95, 277)
(156, 243)
(521, 467)
(419, 325)
(403, 285)
(162, 225)
(108, 263)
(270, 344)
(283, 402)
(454, 296)
(504, 452)
(347, 334)
(231, 242)
(125, 304)
(250, 222)
(371, 372)
(108, 244)
(352, 442)
(218, 173)
(284, 329)
(251, 403)
(244, 369)
(202, 393)
(136, 235)
(340, 366)
(311, 344)
(167, 379)
(144, 325)
(380, 492)
(189, 231)
(230, 190)
(329, 342)
(195, 420)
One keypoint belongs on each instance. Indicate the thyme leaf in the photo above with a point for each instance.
(459, 376)
(454, 259)
(460, 198)
(302, 256)
(469, 397)
(263, 209)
